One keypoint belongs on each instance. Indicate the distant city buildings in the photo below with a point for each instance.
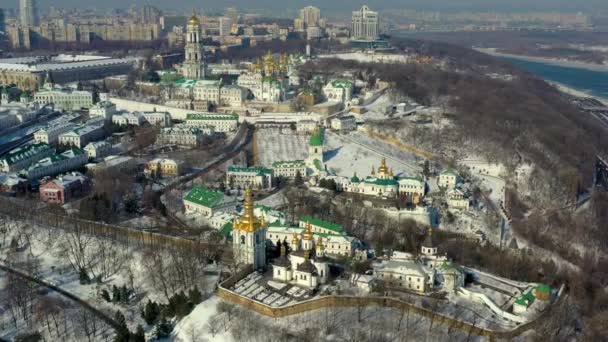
(29, 73)
(365, 24)
(28, 13)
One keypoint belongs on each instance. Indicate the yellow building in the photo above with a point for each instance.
(161, 167)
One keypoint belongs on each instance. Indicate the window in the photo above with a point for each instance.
(242, 239)
(278, 272)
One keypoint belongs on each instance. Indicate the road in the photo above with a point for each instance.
(21, 274)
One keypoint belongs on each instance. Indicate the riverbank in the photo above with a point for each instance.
(552, 61)
(574, 92)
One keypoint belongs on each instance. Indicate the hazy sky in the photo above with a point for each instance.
(345, 5)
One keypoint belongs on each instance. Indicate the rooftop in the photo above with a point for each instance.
(318, 138)
(292, 163)
(58, 62)
(258, 170)
(212, 117)
(25, 152)
(323, 224)
(203, 196)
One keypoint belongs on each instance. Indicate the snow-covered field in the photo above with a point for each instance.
(356, 152)
(196, 326)
(275, 144)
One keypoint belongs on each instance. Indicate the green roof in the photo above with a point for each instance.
(381, 182)
(318, 164)
(226, 229)
(318, 138)
(450, 171)
(258, 170)
(542, 288)
(526, 299)
(450, 266)
(341, 83)
(355, 179)
(292, 163)
(25, 152)
(212, 117)
(204, 196)
(323, 224)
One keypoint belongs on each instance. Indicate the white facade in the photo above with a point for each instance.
(50, 134)
(65, 100)
(339, 91)
(184, 136)
(344, 123)
(99, 149)
(81, 136)
(162, 119)
(128, 119)
(407, 275)
(194, 65)
(103, 109)
(56, 164)
(221, 122)
(244, 177)
(289, 169)
(448, 179)
(365, 24)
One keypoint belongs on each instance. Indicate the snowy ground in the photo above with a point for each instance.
(277, 144)
(356, 152)
(195, 326)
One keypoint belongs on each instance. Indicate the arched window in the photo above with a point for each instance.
(242, 239)
(257, 239)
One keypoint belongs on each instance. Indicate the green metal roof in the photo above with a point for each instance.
(542, 288)
(318, 138)
(211, 117)
(323, 224)
(380, 182)
(226, 230)
(450, 171)
(26, 152)
(204, 196)
(318, 164)
(292, 163)
(341, 83)
(258, 170)
(526, 299)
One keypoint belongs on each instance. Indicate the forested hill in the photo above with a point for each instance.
(523, 118)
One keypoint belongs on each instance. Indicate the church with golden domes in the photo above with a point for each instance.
(306, 265)
(384, 183)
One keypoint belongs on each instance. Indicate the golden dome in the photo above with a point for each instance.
(295, 238)
(320, 245)
(307, 233)
(194, 19)
(248, 222)
(382, 170)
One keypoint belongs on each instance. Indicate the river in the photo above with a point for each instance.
(594, 83)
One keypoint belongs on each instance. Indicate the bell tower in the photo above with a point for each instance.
(249, 236)
(194, 67)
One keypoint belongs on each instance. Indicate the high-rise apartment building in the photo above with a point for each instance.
(28, 13)
(310, 15)
(365, 25)
(150, 15)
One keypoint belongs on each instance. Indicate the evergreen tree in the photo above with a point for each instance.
(122, 331)
(115, 294)
(139, 335)
(124, 294)
(163, 329)
(195, 295)
(105, 295)
(298, 179)
(151, 312)
(84, 277)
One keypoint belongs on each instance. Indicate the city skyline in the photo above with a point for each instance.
(344, 6)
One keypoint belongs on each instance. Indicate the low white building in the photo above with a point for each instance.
(456, 199)
(162, 119)
(221, 122)
(339, 90)
(183, 135)
(65, 100)
(69, 160)
(408, 275)
(50, 134)
(128, 119)
(244, 177)
(344, 123)
(103, 109)
(203, 201)
(289, 169)
(98, 149)
(306, 126)
(81, 136)
(448, 179)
